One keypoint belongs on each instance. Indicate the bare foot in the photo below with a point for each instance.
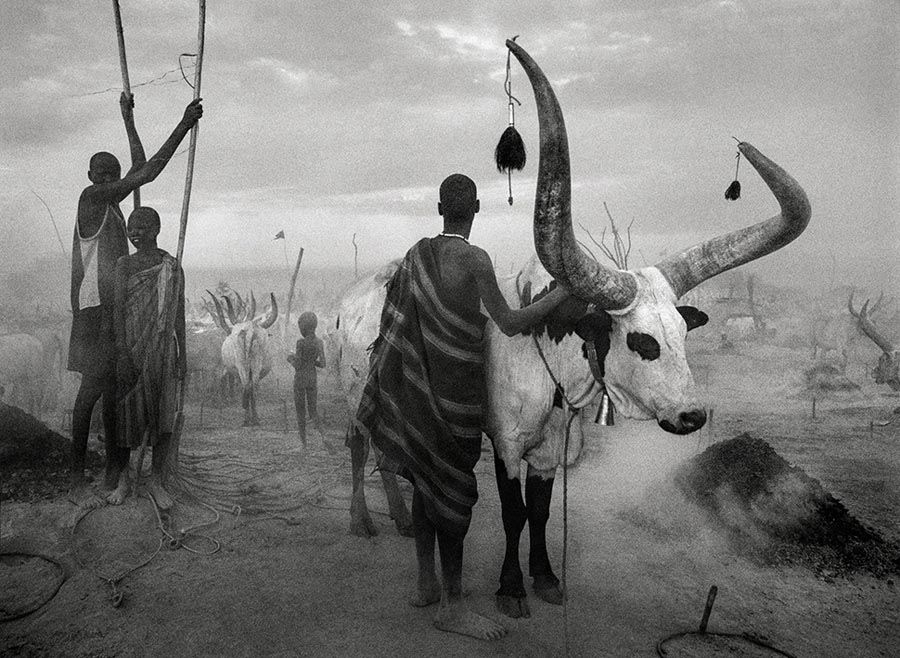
(160, 495)
(118, 495)
(456, 618)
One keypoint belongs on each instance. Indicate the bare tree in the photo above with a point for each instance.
(620, 249)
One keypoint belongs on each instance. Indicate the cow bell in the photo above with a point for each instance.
(605, 414)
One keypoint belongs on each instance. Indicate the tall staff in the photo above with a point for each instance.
(126, 84)
(193, 143)
(171, 290)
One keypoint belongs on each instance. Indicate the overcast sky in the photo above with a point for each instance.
(327, 118)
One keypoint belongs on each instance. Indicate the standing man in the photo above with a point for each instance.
(424, 398)
(99, 241)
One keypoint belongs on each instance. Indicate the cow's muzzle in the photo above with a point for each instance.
(685, 421)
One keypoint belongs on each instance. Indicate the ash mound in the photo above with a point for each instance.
(34, 460)
(775, 513)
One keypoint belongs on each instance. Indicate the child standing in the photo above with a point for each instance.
(308, 355)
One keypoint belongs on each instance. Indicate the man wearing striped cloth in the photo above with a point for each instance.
(425, 395)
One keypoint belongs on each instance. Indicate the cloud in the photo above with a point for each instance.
(294, 76)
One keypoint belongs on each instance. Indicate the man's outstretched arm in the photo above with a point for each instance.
(510, 320)
(116, 191)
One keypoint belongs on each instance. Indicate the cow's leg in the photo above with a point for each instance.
(245, 405)
(360, 521)
(254, 418)
(538, 493)
(396, 505)
(511, 598)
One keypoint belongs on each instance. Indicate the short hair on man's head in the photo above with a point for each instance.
(104, 159)
(458, 195)
(144, 214)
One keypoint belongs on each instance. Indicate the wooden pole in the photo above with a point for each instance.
(290, 299)
(192, 148)
(172, 460)
(123, 65)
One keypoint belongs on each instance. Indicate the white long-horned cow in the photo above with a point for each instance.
(834, 338)
(629, 319)
(887, 371)
(245, 350)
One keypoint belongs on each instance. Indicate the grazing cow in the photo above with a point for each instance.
(834, 338)
(624, 334)
(205, 372)
(245, 349)
(887, 371)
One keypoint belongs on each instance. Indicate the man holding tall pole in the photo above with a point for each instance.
(99, 240)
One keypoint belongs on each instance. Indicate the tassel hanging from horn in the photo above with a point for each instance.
(733, 193)
(510, 151)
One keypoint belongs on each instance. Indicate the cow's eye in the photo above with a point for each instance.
(645, 345)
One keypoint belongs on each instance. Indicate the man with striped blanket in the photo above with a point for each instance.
(150, 359)
(425, 394)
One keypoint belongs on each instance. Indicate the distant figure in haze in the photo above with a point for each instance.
(99, 241)
(308, 355)
(150, 356)
(426, 391)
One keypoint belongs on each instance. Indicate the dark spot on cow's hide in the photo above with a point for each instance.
(693, 317)
(644, 345)
(561, 321)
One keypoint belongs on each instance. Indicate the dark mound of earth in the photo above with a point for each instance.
(34, 460)
(777, 514)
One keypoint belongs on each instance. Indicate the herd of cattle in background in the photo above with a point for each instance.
(832, 329)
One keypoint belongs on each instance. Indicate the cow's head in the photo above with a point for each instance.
(247, 336)
(887, 371)
(646, 372)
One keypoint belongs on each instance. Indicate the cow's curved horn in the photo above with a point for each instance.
(232, 314)
(219, 317)
(252, 313)
(240, 307)
(868, 327)
(694, 265)
(554, 239)
(271, 314)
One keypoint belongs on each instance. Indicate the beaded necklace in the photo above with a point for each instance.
(455, 235)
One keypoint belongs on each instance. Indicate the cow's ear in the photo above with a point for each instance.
(594, 326)
(692, 316)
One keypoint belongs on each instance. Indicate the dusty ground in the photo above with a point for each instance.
(289, 580)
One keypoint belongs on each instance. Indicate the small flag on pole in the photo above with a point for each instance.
(279, 235)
